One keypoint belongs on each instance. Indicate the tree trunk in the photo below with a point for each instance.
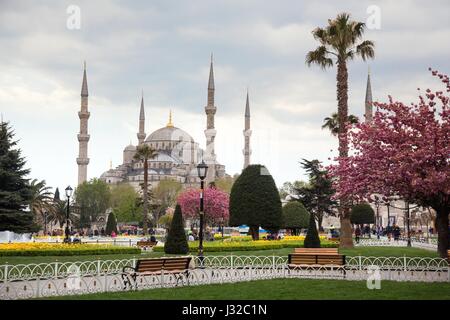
(442, 228)
(342, 97)
(254, 232)
(145, 191)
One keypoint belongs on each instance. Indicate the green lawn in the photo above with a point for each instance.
(286, 289)
(364, 251)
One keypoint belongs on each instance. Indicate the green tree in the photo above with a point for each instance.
(317, 195)
(226, 183)
(166, 220)
(254, 201)
(339, 43)
(15, 192)
(312, 239)
(92, 198)
(124, 204)
(295, 216)
(165, 195)
(332, 123)
(111, 224)
(362, 213)
(176, 242)
(144, 153)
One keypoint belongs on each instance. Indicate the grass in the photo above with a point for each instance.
(285, 289)
(364, 251)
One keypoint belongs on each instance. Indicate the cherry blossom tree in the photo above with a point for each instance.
(404, 152)
(216, 204)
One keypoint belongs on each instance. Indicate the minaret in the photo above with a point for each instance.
(368, 102)
(83, 136)
(247, 134)
(210, 132)
(141, 134)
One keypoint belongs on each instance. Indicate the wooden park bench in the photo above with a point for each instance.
(156, 266)
(319, 256)
(146, 244)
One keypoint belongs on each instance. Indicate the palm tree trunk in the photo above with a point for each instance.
(342, 97)
(145, 191)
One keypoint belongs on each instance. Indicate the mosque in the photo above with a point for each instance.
(177, 153)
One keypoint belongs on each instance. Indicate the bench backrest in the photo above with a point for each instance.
(157, 264)
(146, 243)
(317, 251)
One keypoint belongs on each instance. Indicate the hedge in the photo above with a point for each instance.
(46, 249)
(249, 245)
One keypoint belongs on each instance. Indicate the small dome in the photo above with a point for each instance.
(169, 134)
(130, 148)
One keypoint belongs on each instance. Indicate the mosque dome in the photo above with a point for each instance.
(169, 133)
(130, 147)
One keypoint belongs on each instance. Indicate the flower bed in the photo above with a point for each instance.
(61, 249)
(219, 246)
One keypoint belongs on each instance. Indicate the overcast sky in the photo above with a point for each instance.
(163, 48)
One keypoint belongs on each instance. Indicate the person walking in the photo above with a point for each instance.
(357, 234)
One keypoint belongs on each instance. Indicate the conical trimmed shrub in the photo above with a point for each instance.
(176, 242)
(111, 224)
(312, 239)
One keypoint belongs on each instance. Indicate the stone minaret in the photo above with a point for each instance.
(368, 102)
(210, 132)
(83, 136)
(247, 134)
(141, 134)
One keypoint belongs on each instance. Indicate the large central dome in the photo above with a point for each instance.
(169, 133)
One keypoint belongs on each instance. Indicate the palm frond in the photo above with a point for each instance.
(319, 57)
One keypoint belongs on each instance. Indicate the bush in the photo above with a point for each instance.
(362, 213)
(312, 239)
(249, 245)
(111, 224)
(295, 216)
(255, 201)
(62, 249)
(176, 242)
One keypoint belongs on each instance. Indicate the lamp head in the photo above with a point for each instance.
(69, 191)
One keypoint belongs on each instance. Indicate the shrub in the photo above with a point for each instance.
(62, 249)
(295, 216)
(176, 242)
(255, 201)
(249, 245)
(111, 224)
(362, 213)
(312, 239)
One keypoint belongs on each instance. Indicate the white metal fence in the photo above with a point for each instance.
(52, 279)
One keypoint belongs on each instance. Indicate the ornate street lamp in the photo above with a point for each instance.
(202, 170)
(69, 191)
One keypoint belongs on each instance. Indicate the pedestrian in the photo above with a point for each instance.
(357, 234)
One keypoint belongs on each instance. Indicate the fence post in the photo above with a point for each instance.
(232, 262)
(98, 267)
(360, 263)
(56, 268)
(134, 262)
(38, 286)
(404, 263)
(273, 261)
(105, 286)
(129, 242)
(6, 272)
(162, 278)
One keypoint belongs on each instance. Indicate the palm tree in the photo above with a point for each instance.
(143, 153)
(331, 123)
(41, 199)
(339, 43)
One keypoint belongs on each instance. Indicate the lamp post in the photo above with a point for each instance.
(408, 231)
(45, 222)
(69, 191)
(202, 169)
